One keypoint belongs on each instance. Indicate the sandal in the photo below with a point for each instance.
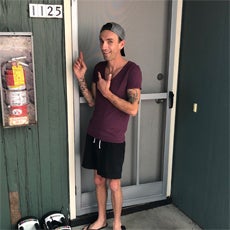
(87, 227)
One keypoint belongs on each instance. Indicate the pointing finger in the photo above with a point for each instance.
(81, 56)
(99, 75)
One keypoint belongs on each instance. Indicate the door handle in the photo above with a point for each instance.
(159, 101)
(171, 97)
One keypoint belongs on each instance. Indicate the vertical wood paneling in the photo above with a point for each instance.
(4, 196)
(36, 157)
(201, 155)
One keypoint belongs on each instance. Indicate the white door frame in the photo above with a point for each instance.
(71, 52)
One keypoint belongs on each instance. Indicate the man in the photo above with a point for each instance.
(115, 93)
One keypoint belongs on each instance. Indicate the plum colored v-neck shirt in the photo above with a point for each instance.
(109, 123)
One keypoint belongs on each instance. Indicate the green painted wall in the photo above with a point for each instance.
(201, 156)
(34, 160)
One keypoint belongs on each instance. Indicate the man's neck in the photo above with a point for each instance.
(116, 64)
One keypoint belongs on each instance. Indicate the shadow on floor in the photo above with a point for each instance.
(164, 217)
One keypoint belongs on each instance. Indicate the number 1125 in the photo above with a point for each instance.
(45, 11)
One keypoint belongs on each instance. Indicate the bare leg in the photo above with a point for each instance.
(117, 199)
(101, 193)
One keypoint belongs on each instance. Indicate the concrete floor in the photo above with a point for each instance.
(165, 217)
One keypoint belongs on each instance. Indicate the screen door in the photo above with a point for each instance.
(147, 25)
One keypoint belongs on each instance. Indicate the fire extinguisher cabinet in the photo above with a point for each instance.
(17, 84)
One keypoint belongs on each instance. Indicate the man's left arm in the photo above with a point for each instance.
(131, 106)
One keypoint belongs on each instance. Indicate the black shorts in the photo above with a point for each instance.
(105, 157)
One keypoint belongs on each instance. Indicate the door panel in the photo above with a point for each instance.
(86, 175)
(146, 24)
(151, 130)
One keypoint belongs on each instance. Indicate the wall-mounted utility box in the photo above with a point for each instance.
(17, 83)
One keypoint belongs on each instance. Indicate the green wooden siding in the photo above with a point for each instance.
(34, 159)
(201, 155)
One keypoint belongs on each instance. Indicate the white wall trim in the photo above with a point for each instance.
(177, 6)
(70, 107)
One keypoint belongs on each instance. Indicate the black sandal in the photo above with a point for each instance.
(88, 227)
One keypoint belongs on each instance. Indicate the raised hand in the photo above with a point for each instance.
(104, 85)
(80, 67)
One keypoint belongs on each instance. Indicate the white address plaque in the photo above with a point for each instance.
(45, 11)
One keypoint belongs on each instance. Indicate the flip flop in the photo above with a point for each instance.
(88, 227)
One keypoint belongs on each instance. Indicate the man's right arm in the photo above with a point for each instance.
(79, 71)
(88, 95)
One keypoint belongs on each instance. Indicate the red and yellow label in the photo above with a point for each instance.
(18, 75)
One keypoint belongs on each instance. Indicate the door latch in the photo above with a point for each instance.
(171, 97)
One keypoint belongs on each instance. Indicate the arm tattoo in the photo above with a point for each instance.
(85, 91)
(83, 85)
(132, 96)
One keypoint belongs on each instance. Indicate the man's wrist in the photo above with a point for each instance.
(109, 95)
(81, 79)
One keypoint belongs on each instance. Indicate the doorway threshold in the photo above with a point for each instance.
(91, 217)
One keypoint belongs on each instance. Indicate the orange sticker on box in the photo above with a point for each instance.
(18, 73)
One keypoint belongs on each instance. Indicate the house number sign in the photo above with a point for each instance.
(45, 11)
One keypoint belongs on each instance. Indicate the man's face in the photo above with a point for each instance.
(110, 45)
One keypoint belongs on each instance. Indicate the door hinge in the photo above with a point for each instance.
(171, 99)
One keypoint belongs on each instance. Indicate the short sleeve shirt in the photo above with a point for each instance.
(109, 123)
